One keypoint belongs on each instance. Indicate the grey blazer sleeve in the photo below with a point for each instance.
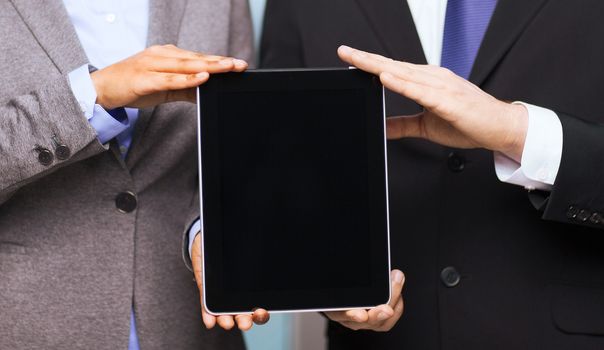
(36, 121)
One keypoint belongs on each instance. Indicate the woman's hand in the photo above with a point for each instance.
(157, 75)
(243, 322)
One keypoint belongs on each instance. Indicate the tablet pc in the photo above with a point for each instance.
(294, 195)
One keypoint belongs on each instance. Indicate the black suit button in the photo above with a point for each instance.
(45, 156)
(456, 162)
(572, 212)
(595, 218)
(125, 202)
(583, 215)
(450, 277)
(63, 152)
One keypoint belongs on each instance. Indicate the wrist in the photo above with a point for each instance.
(516, 129)
(99, 86)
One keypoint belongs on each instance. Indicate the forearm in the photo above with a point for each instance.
(31, 129)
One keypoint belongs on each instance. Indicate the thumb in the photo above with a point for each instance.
(208, 320)
(404, 126)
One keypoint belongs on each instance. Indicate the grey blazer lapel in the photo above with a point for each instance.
(49, 22)
(165, 17)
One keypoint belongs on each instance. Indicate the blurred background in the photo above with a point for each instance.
(284, 331)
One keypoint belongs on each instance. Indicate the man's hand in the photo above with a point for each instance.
(457, 113)
(157, 75)
(244, 322)
(381, 318)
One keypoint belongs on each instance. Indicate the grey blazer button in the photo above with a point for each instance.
(45, 156)
(125, 202)
(450, 277)
(63, 152)
(583, 215)
(456, 162)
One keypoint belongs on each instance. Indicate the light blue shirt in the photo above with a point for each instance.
(109, 31)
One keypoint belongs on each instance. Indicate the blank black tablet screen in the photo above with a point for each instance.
(294, 188)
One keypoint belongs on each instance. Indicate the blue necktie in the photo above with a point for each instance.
(465, 25)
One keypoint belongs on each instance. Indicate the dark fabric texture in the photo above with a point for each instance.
(511, 256)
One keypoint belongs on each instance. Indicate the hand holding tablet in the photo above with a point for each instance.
(243, 321)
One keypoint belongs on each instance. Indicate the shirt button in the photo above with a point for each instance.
(450, 277)
(456, 162)
(123, 149)
(125, 202)
(110, 17)
(45, 156)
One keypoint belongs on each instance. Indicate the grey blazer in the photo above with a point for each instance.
(71, 264)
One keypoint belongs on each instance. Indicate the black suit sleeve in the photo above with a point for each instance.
(281, 45)
(577, 196)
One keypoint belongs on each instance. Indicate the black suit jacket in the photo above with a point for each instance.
(531, 264)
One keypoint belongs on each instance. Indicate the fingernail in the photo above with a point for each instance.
(398, 277)
(345, 50)
(202, 75)
(227, 62)
(382, 316)
(239, 63)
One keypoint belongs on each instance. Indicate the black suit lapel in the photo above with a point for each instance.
(509, 20)
(394, 28)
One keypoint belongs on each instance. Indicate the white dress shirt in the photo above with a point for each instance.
(543, 146)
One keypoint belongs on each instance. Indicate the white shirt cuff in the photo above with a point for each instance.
(193, 232)
(541, 155)
(106, 126)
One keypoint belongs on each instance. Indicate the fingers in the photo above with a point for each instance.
(391, 322)
(226, 322)
(379, 314)
(397, 281)
(260, 316)
(378, 65)
(404, 126)
(354, 315)
(182, 65)
(244, 322)
(425, 95)
(158, 82)
(380, 318)
(208, 320)
(175, 51)
(191, 58)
